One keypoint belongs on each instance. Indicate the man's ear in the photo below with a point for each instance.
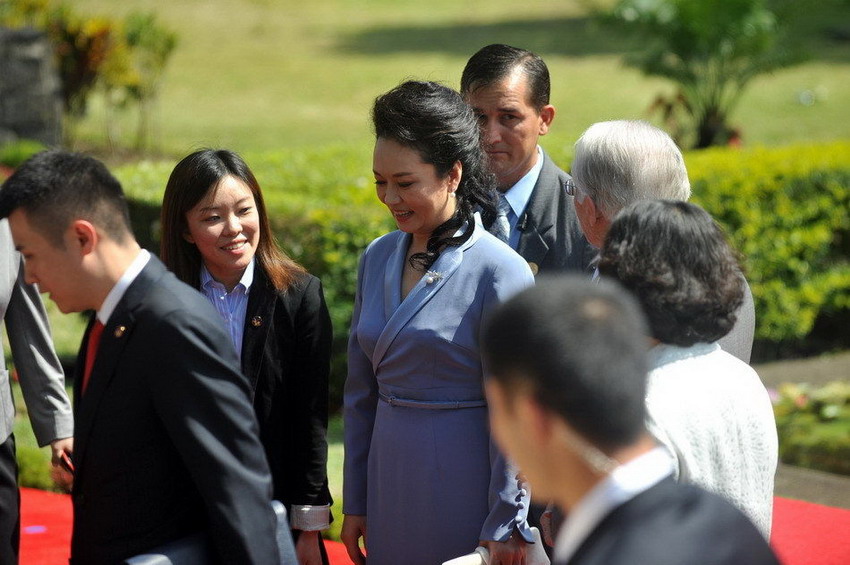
(84, 236)
(547, 114)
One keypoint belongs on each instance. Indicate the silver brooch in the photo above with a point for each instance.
(433, 276)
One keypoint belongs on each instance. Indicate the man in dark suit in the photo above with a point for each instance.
(566, 396)
(622, 161)
(166, 440)
(508, 89)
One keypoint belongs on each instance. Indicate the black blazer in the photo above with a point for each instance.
(674, 524)
(166, 442)
(551, 237)
(286, 351)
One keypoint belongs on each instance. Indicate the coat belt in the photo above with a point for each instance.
(431, 404)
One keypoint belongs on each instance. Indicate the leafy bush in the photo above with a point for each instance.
(323, 211)
(814, 426)
(787, 210)
(14, 153)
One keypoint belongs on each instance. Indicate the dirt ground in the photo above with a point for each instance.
(816, 370)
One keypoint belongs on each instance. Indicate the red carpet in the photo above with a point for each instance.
(810, 534)
(803, 533)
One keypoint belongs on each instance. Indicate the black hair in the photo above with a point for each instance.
(675, 258)
(191, 180)
(55, 187)
(495, 62)
(581, 347)
(434, 121)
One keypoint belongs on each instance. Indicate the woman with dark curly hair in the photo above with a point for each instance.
(420, 467)
(707, 407)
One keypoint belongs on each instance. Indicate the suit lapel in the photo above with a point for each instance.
(531, 244)
(443, 269)
(116, 335)
(259, 316)
(392, 275)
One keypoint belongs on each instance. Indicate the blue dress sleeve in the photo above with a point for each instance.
(360, 399)
(509, 497)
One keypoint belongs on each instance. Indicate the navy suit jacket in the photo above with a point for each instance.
(551, 237)
(166, 441)
(674, 524)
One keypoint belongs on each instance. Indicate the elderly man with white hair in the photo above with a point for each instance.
(623, 161)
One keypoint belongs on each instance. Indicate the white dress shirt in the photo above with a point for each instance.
(623, 484)
(117, 293)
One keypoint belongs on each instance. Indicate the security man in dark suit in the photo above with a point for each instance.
(508, 88)
(166, 442)
(566, 398)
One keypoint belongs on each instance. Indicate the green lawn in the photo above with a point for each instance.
(260, 74)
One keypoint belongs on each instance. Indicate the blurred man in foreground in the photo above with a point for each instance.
(566, 396)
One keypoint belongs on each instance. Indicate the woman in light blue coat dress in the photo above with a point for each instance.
(423, 481)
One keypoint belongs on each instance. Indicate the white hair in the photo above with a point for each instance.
(623, 161)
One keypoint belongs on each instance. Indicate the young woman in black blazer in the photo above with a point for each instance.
(216, 238)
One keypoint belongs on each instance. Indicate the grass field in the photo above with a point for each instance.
(262, 74)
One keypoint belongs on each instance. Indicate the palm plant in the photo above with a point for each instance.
(711, 49)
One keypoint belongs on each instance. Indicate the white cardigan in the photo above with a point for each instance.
(712, 412)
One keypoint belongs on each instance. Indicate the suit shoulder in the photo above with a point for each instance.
(674, 523)
(384, 243)
(168, 298)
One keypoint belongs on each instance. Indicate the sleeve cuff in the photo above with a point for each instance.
(310, 518)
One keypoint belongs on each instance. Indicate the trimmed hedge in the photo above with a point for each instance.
(787, 210)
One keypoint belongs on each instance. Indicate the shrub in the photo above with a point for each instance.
(14, 153)
(322, 210)
(814, 426)
(787, 210)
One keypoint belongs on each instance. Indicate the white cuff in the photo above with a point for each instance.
(310, 518)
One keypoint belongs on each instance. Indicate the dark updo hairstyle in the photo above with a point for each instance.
(676, 260)
(434, 121)
(190, 181)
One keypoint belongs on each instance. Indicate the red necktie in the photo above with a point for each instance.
(91, 351)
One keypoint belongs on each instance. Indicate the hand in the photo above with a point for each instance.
(58, 446)
(61, 477)
(508, 552)
(353, 528)
(307, 548)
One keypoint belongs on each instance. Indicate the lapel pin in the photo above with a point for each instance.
(534, 268)
(257, 321)
(432, 277)
(119, 331)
